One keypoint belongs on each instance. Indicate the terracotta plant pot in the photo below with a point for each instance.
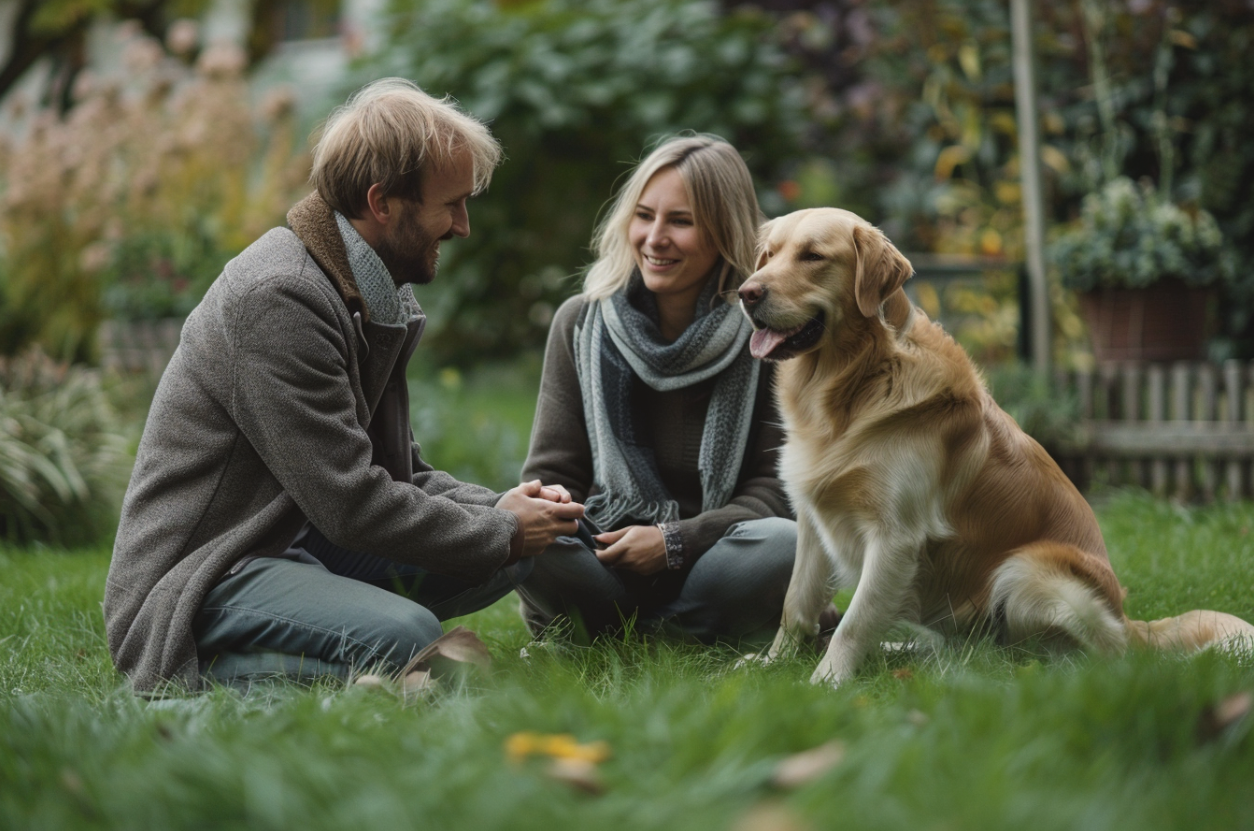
(1165, 321)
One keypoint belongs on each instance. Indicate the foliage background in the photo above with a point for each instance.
(121, 196)
(576, 90)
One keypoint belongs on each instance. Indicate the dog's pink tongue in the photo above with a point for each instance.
(764, 341)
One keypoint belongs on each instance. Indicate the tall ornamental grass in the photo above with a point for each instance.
(63, 458)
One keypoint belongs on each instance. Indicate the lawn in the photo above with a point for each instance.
(975, 736)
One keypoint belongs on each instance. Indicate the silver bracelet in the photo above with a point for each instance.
(674, 543)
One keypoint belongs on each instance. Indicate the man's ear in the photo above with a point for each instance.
(881, 269)
(377, 205)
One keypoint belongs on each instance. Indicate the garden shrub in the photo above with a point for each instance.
(920, 118)
(129, 205)
(574, 90)
(63, 461)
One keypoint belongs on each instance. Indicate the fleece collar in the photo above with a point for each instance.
(313, 222)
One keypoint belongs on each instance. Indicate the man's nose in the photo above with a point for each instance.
(461, 222)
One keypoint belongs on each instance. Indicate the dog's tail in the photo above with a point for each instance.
(1194, 630)
(1051, 589)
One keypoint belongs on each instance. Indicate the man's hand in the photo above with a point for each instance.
(639, 548)
(554, 493)
(544, 514)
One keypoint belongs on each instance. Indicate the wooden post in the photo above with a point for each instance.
(1030, 177)
(1234, 399)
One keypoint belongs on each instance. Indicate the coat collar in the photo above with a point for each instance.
(313, 222)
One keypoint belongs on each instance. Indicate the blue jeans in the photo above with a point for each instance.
(734, 592)
(323, 610)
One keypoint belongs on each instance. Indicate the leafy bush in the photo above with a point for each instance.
(130, 204)
(919, 116)
(575, 89)
(63, 462)
(1129, 236)
(1044, 410)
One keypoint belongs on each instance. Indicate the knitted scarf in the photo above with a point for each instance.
(617, 340)
(387, 304)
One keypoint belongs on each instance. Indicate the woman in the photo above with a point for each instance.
(652, 412)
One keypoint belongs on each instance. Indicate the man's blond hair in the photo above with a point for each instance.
(724, 209)
(391, 133)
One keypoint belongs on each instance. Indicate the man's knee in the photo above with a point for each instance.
(400, 632)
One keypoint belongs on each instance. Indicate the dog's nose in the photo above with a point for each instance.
(751, 294)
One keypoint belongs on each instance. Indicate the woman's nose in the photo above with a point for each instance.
(657, 234)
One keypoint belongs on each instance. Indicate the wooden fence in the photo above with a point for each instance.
(1184, 430)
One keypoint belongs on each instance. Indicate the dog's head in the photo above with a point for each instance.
(819, 270)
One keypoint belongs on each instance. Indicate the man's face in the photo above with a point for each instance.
(410, 247)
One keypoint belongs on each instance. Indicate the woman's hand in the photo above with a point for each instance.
(639, 548)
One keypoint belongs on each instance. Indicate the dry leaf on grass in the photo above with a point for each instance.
(572, 762)
(770, 816)
(1218, 717)
(558, 745)
(578, 773)
(805, 767)
(455, 650)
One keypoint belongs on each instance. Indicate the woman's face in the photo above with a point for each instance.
(673, 254)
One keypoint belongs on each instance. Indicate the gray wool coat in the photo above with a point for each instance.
(283, 403)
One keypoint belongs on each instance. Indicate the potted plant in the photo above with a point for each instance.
(1148, 272)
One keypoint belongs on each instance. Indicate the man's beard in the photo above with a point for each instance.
(409, 254)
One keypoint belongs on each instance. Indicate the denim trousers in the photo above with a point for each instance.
(323, 610)
(733, 593)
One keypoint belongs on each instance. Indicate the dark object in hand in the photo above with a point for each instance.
(587, 531)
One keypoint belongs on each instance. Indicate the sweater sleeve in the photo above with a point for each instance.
(293, 401)
(560, 453)
(759, 493)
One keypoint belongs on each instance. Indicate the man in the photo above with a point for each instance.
(280, 518)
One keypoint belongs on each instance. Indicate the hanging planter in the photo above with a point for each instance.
(1148, 273)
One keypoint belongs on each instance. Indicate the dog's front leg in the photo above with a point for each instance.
(888, 572)
(809, 591)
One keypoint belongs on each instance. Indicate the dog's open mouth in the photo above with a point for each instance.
(776, 345)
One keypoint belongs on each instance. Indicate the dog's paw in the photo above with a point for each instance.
(827, 676)
(759, 659)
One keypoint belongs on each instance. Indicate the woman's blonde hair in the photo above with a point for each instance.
(724, 208)
(390, 133)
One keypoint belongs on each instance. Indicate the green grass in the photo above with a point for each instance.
(975, 736)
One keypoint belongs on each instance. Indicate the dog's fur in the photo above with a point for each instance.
(908, 480)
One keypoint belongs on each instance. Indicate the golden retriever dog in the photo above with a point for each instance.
(909, 482)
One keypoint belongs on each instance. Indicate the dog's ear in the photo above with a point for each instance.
(764, 232)
(881, 269)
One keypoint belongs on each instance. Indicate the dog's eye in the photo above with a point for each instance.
(812, 257)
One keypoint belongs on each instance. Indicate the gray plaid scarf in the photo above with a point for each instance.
(617, 340)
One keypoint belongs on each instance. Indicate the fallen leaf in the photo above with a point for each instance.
(903, 674)
(580, 774)
(454, 652)
(1218, 717)
(369, 681)
(805, 767)
(458, 644)
(770, 816)
(558, 745)
(417, 681)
